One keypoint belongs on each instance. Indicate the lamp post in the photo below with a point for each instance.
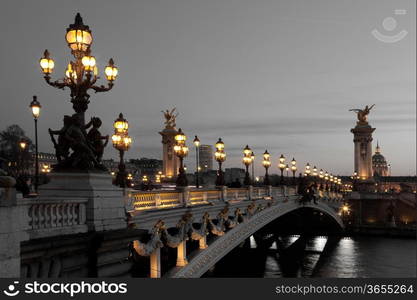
(293, 168)
(287, 168)
(281, 166)
(197, 145)
(252, 157)
(247, 160)
(266, 163)
(36, 111)
(81, 73)
(331, 182)
(220, 157)
(326, 180)
(121, 142)
(181, 150)
(308, 169)
(321, 176)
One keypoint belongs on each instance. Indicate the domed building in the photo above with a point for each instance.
(379, 163)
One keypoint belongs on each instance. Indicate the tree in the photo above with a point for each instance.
(13, 159)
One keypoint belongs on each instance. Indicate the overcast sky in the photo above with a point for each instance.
(277, 75)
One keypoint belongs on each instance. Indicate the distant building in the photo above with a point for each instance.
(206, 158)
(380, 166)
(231, 174)
(45, 161)
(147, 166)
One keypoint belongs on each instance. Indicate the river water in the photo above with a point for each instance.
(353, 258)
(349, 257)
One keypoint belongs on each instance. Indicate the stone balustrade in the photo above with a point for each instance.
(145, 200)
(55, 217)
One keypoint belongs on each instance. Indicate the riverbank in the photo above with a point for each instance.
(383, 231)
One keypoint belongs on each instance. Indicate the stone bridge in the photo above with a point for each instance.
(94, 229)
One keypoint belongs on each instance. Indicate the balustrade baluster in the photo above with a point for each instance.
(59, 215)
(71, 214)
(31, 216)
(48, 208)
(41, 215)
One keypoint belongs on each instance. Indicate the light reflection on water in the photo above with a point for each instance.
(352, 258)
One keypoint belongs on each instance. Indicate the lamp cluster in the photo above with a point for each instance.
(248, 158)
(121, 141)
(220, 156)
(266, 162)
(81, 74)
(181, 150)
(325, 180)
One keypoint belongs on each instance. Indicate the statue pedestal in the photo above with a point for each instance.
(362, 138)
(105, 209)
(170, 160)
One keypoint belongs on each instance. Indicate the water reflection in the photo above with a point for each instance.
(351, 258)
(356, 257)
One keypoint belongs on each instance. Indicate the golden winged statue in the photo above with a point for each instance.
(170, 117)
(362, 114)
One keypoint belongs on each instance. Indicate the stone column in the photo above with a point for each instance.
(185, 195)
(155, 259)
(362, 138)
(269, 188)
(182, 254)
(223, 193)
(284, 190)
(13, 223)
(170, 160)
(250, 192)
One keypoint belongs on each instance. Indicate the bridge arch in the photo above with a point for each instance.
(207, 258)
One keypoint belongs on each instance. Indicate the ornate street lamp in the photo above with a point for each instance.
(266, 163)
(252, 157)
(287, 168)
(281, 166)
(307, 170)
(220, 157)
(247, 160)
(321, 176)
(181, 150)
(197, 163)
(326, 180)
(81, 74)
(36, 111)
(121, 142)
(331, 179)
(315, 171)
(293, 168)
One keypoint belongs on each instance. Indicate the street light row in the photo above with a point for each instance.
(181, 150)
(121, 141)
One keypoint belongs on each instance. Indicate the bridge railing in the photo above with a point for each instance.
(237, 194)
(200, 197)
(159, 199)
(155, 199)
(49, 217)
